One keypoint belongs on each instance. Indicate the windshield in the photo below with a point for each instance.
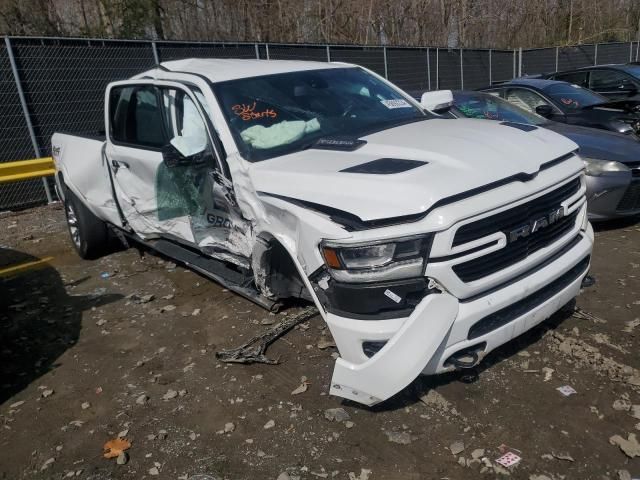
(278, 114)
(491, 107)
(573, 97)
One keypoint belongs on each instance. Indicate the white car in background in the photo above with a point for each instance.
(424, 242)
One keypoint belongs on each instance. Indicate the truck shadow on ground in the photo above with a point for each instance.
(421, 385)
(39, 321)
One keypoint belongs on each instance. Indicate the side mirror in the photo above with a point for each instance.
(183, 151)
(544, 110)
(171, 157)
(438, 101)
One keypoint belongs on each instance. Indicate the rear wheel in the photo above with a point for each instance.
(89, 234)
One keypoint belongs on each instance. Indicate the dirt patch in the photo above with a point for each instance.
(124, 347)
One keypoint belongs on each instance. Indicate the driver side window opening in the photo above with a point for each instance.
(135, 117)
(149, 117)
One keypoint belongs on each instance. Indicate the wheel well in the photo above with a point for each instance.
(276, 273)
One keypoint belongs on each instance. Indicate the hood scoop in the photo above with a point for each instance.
(385, 166)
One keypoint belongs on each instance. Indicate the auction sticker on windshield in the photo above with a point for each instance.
(396, 103)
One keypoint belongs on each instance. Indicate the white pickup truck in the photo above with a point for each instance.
(424, 242)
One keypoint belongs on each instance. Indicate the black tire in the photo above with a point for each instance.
(89, 235)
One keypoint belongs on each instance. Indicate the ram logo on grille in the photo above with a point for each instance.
(533, 226)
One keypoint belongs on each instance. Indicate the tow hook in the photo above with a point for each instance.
(468, 357)
(588, 281)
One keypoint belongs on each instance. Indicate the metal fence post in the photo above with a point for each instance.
(437, 68)
(595, 55)
(257, 49)
(557, 52)
(266, 46)
(631, 51)
(461, 71)
(637, 48)
(328, 54)
(514, 63)
(490, 69)
(155, 52)
(25, 111)
(386, 67)
(428, 70)
(520, 62)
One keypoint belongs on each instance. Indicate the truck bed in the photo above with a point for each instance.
(81, 169)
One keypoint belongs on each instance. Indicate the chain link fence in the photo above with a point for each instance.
(57, 84)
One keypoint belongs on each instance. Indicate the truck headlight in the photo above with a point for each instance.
(596, 167)
(377, 261)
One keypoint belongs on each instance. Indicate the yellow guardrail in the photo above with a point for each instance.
(20, 268)
(26, 169)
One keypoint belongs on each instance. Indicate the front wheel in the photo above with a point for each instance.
(89, 234)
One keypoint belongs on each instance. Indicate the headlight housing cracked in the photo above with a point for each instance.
(377, 261)
(595, 167)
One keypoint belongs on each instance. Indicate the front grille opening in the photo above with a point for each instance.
(516, 310)
(631, 199)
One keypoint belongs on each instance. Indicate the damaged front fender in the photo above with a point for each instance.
(402, 358)
(407, 351)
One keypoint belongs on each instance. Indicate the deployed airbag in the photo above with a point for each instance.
(279, 134)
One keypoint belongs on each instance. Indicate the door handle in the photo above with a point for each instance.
(116, 164)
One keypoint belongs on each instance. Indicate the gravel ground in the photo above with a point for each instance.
(125, 347)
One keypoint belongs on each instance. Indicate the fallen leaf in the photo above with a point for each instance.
(115, 447)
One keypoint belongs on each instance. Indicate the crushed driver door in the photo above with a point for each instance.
(167, 173)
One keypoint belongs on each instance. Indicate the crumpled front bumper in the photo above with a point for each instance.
(402, 358)
(440, 326)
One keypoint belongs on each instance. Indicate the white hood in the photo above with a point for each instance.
(462, 154)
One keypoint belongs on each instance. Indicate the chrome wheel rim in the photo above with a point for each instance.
(72, 221)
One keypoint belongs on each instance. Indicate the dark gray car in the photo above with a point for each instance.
(612, 160)
(567, 103)
(615, 81)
